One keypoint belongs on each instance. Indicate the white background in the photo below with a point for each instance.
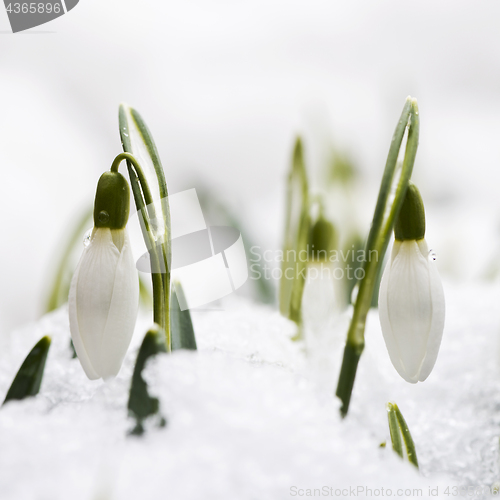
(225, 86)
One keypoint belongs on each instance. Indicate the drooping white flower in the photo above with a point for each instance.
(411, 298)
(104, 293)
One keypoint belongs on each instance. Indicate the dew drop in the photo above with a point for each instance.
(432, 254)
(103, 216)
(86, 238)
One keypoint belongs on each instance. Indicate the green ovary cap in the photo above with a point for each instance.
(112, 201)
(321, 239)
(410, 223)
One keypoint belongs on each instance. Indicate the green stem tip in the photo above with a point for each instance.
(28, 380)
(398, 429)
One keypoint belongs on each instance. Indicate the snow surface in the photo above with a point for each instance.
(250, 416)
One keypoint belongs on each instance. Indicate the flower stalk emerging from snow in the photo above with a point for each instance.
(104, 293)
(389, 202)
(411, 299)
(138, 142)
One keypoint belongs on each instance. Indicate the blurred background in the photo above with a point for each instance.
(225, 86)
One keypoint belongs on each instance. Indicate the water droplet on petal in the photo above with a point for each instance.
(432, 255)
(86, 238)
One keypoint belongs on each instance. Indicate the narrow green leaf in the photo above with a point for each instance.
(394, 429)
(296, 238)
(140, 404)
(72, 349)
(409, 444)
(29, 377)
(398, 428)
(138, 141)
(181, 325)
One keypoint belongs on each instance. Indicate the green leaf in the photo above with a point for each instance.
(296, 238)
(397, 445)
(140, 404)
(29, 377)
(138, 141)
(399, 429)
(181, 325)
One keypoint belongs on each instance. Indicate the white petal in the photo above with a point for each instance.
(409, 305)
(438, 315)
(122, 313)
(73, 324)
(94, 291)
(411, 309)
(387, 331)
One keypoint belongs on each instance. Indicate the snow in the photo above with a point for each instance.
(249, 418)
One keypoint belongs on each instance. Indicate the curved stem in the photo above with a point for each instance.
(130, 120)
(145, 206)
(162, 186)
(384, 217)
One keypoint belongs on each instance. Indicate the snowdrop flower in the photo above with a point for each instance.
(411, 299)
(104, 293)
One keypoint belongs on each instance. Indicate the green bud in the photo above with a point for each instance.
(321, 239)
(112, 201)
(410, 223)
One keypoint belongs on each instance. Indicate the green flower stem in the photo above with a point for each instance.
(131, 123)
(384, 217)
(144, 204)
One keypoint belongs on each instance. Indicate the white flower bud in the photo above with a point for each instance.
(103, 302)
(412, 309)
